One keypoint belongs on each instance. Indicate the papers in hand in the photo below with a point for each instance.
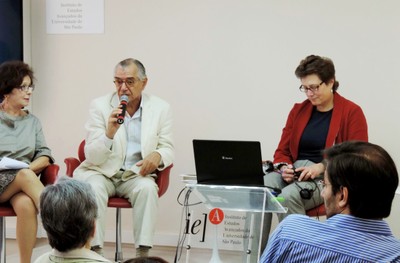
(8, 163)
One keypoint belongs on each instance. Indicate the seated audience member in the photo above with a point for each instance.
(359, 185)
(146, 260)
(68, 211)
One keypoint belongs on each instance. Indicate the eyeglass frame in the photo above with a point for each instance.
(119, 82)
(304, 89)
(29, 88)
(322, 184)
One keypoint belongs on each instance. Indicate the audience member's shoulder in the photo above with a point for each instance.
(296, 218)
(146, 260)
(43, 258)
(292, 222)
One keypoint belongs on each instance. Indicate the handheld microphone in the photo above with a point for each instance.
(123, 102)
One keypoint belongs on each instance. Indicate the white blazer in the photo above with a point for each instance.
(156, 136)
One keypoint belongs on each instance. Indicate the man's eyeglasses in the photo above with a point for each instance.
(322, 184)
(312, 88)
(26, 88)
(129, 82)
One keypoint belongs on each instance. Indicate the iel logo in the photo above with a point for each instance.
(216, 216)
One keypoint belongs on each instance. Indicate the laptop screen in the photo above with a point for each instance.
(228, 162)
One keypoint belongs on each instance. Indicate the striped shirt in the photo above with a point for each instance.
(341, 238)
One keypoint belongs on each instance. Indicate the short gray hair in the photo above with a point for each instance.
(68, 211)
(131, 61)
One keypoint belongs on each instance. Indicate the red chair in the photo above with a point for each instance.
(48, 176)
(116, 201)
(317, 211)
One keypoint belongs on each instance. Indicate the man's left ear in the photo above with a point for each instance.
(144, 82)
(343, 197)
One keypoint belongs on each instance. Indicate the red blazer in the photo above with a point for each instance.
(348, 123)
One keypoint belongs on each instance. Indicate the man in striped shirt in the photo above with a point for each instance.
(359, 185)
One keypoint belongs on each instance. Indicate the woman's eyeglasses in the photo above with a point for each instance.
(26, 88)
(312, 88)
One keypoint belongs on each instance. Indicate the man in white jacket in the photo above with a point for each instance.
(122, 158)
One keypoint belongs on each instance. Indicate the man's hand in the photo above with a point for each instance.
(149, 164)
(113, 126)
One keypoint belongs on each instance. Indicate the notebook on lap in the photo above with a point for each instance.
(228, 162)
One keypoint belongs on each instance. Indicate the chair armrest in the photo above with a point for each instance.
(71, 164)
(163, 180)
(49, 174)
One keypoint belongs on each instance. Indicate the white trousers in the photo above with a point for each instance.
(142, 193)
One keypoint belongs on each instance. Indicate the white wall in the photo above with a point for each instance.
(226, 67)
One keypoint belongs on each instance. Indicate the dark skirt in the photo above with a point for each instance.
(6, 178)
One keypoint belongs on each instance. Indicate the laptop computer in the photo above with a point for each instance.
(228, 162)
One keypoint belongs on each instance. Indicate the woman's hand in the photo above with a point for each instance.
(38, 165)
(287, 173)
(310, 172)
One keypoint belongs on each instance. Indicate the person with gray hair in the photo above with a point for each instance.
(146, 260)
(68, 211)
(125, 148)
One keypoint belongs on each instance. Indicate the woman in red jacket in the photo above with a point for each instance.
(325, 118)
